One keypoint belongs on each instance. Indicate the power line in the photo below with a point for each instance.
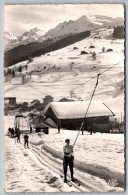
(110, 81)
(91, 78)
(103, 81)
(108, 78)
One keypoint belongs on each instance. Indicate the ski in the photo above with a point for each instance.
(68, 182)
(75, 182)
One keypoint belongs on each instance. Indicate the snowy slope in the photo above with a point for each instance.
(28, 174)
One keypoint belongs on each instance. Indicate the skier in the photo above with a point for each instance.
(10, 131)
(68, 159)
(26, 140)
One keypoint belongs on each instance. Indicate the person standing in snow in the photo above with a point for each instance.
(68, 159)
(26, 140)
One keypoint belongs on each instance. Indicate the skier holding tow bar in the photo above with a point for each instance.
(68, 160)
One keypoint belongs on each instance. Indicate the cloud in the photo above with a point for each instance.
(21, 18)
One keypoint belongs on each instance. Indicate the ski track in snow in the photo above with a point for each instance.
(23, 173)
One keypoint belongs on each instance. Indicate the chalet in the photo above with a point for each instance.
(70, 115)
(10, 101)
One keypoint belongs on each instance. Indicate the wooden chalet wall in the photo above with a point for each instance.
(100, 124)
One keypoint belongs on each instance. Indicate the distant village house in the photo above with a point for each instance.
(10, 101)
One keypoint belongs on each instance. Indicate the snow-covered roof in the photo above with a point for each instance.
(77, 109)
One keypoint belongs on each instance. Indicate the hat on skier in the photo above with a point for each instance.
(67, 140)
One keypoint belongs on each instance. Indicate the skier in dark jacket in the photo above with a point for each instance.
(26, 140)
(68, 159)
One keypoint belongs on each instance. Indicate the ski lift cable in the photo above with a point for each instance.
(113, 84)
(107, 78)
(87, 108)
(91, 78)
(90, 103)
(37, 90)
(110, 81)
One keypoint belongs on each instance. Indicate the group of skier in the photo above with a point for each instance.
(15, 133)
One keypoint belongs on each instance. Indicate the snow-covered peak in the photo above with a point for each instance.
(8, 39)
(71, 27)
(36, 31)
(33, 33)
(9, 36)
(83, 18)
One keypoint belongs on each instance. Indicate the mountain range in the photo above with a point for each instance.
(61, 30)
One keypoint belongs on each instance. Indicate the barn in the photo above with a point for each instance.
(70, 115)
(10, 101)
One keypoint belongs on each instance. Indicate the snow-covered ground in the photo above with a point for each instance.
(101, 155)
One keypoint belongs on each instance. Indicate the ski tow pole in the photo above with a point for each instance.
(87, 109)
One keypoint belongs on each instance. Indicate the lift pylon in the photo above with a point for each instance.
(21, 123)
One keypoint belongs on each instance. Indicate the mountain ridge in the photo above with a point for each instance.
(62, 30)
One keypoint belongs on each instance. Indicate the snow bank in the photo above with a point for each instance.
(96, 170)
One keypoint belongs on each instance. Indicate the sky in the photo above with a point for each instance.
(21, 18)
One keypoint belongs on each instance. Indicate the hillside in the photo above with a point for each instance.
(23, 52)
